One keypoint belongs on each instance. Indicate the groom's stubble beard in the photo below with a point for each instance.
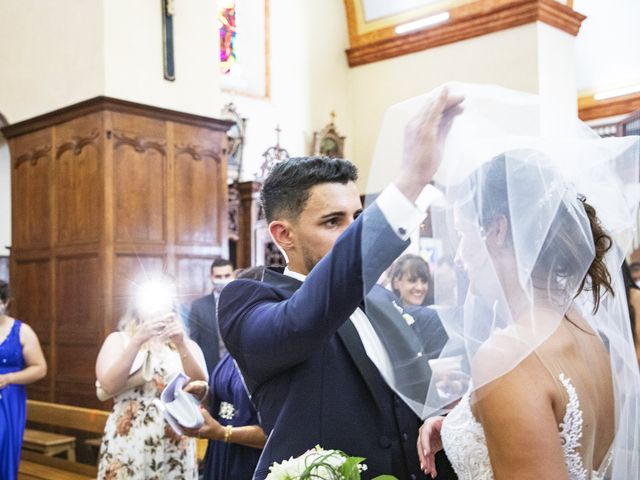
(310, 259)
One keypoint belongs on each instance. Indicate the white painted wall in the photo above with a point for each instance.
(51, 55)
(607, 45)
(556, 75)
(134, 58)
(54, 54)
(309, 78)
(508, 58)
(75, 50)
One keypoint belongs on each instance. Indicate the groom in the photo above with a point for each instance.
(309, 355)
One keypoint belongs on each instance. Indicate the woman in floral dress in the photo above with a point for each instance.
(138, 443)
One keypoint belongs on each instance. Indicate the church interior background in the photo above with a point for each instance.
(135, 135)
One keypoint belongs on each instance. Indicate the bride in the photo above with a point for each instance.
(541, 340)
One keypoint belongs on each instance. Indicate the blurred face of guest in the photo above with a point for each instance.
(221, 276)
(412, 290)
(329, 210)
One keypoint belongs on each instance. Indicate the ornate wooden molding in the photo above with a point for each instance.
(33, 155)
(100, 104)
(77, 144)
(196, 152)
(139, 144)
(467, 21)
(590, 109)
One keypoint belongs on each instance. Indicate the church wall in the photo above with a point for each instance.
(508, 57)
(309, 78)
(556, 74)
(51, 55)
(134, 55)
(5, 197)
(606, 48)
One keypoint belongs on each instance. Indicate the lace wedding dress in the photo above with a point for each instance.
(465, 444)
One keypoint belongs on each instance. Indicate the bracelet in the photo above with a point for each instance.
(227, 433)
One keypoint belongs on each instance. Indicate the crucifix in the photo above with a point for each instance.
(168, 10)
(272, 155)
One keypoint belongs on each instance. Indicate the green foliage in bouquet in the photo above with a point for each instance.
(319, 464)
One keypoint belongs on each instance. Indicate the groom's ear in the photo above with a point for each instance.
(282, 234)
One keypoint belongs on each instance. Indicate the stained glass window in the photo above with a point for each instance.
(244, 46)
(228, 40)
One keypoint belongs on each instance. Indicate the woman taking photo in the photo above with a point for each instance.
(137, 439)
(21, 363)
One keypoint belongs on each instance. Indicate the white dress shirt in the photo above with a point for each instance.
(404, 217)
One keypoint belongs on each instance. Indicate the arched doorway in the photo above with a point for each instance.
(5, 203)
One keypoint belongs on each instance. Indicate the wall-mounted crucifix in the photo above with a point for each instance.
(168, 10)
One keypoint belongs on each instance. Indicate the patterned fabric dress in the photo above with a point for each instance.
(13, 405)
(138, 443)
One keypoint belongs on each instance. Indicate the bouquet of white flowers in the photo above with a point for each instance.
(321, 464)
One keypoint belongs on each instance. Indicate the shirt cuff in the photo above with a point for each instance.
(403, 215)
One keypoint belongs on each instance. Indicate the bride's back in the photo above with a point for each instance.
(577, 359)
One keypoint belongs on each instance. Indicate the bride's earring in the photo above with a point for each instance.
(3, 308)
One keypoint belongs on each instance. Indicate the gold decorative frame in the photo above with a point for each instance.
(468, 19)
(591, 109)
(328, 142)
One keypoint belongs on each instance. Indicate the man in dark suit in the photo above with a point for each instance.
(311, 359)
(203, 319)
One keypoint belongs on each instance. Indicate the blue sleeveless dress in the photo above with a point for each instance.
(13, 406)
(230, 405)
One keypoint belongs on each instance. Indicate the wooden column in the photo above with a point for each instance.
(246, 211)
(103, 193)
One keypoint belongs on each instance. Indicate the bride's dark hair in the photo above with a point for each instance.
(560, 261)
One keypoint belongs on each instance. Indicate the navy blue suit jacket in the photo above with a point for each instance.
(203, 329)
(304, 364)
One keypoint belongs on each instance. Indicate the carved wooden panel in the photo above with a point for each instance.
(95, 212)
(139, 153)
(40, 390)
(79, 180)
(193, 278)
(31, 159)
(34, 308)
(75, 377)
(80, 394)
(200, 184)
(78, 300)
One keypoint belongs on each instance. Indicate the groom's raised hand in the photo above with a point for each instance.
(423, 142)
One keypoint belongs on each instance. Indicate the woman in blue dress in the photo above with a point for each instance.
(21, 363)
(235, 437)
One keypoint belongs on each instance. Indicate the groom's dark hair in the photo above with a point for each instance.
(286, 189)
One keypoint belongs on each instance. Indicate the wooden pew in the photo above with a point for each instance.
(37, 465)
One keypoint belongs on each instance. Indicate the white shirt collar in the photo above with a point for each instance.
(292, 274)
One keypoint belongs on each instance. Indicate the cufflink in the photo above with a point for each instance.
(402, 231)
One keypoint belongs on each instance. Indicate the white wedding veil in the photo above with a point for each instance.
(517, 185)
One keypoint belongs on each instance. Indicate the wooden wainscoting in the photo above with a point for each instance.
(105, 192)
